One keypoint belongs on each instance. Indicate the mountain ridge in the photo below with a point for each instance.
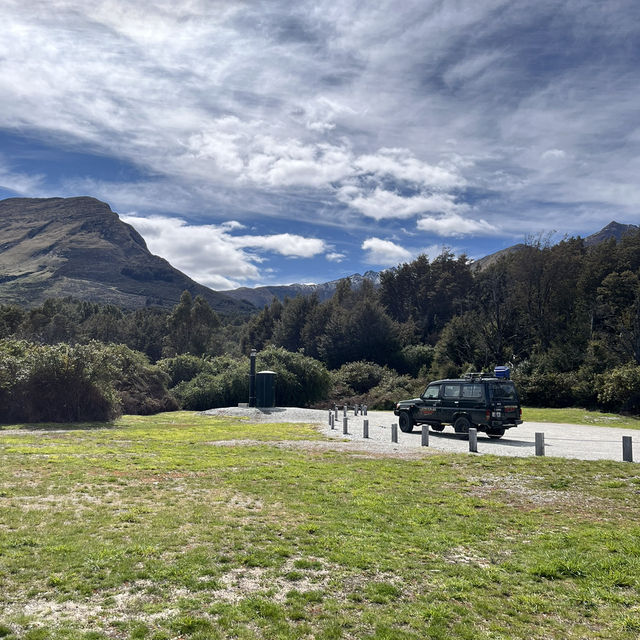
(79, 247)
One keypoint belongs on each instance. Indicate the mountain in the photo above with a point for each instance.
(58, 247)
(492, 258)
(612, 230)
(261, 296)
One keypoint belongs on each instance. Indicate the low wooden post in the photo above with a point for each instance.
(627, 449)
(539, 443)
(364, 410)
(330, 416)
(345, 425)
(332, 422)
(344, 411)
(394, 433)
(365, 429)
(473, 440)
(335, 409)
(425, 435)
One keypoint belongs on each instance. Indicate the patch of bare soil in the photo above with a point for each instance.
(515, 491)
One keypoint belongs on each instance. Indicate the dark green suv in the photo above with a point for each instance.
(479, 400)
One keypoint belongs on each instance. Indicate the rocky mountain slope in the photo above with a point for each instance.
(57, 247)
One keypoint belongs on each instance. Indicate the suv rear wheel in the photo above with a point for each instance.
(405, 420)
(462, 425)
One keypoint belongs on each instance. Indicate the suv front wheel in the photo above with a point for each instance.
(405, 419)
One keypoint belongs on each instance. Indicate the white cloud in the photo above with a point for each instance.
(334, 256)
(285, 244)
(401, 164)
(455, 225)
(553, 154)
(380, 204)
(211, 255)
(384, 252)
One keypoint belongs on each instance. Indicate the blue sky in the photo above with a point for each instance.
(272, 142)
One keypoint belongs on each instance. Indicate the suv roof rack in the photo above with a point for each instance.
(478, 375)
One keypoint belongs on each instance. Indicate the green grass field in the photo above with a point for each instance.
(181, 526)
(581, 416)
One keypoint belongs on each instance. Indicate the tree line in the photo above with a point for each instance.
(564, 315)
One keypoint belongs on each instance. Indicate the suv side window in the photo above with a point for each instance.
(432, 392)
(451, 391)
(472, 391)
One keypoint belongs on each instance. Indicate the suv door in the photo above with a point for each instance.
(430, 406)
(450, 401)
(473, 401)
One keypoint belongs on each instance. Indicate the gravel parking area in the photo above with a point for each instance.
(561, 440)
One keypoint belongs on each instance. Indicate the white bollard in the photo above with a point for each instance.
(539, 443)
(473, 440)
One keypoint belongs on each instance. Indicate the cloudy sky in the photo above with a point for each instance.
(265, 142)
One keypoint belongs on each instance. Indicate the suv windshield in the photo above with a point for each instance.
(503, 391)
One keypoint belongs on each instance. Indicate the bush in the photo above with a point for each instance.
(390, 388)
(222, 382)
(59, 383)
(141, 387)
(393, 388)
(545, 388)
(182, 368)
(358, 376)
(415, 359)
(619, 388)
(92, 382)
(301, 380)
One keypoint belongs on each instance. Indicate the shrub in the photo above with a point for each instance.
(545, 388)
(391, 389)
(414, 359)
(619, 388)
(301, 380)
(141, 386)
(358, 376)
(63, 383)
(383, 396)
(182, 368)
(222, 382)
(56, 383)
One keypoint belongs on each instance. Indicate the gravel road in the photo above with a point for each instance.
(561, 440)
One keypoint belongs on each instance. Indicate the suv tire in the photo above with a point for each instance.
(405, 419)
(462, 425)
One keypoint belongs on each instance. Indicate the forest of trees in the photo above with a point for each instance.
(565, 316)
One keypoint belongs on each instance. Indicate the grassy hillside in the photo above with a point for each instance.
(181, 526)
